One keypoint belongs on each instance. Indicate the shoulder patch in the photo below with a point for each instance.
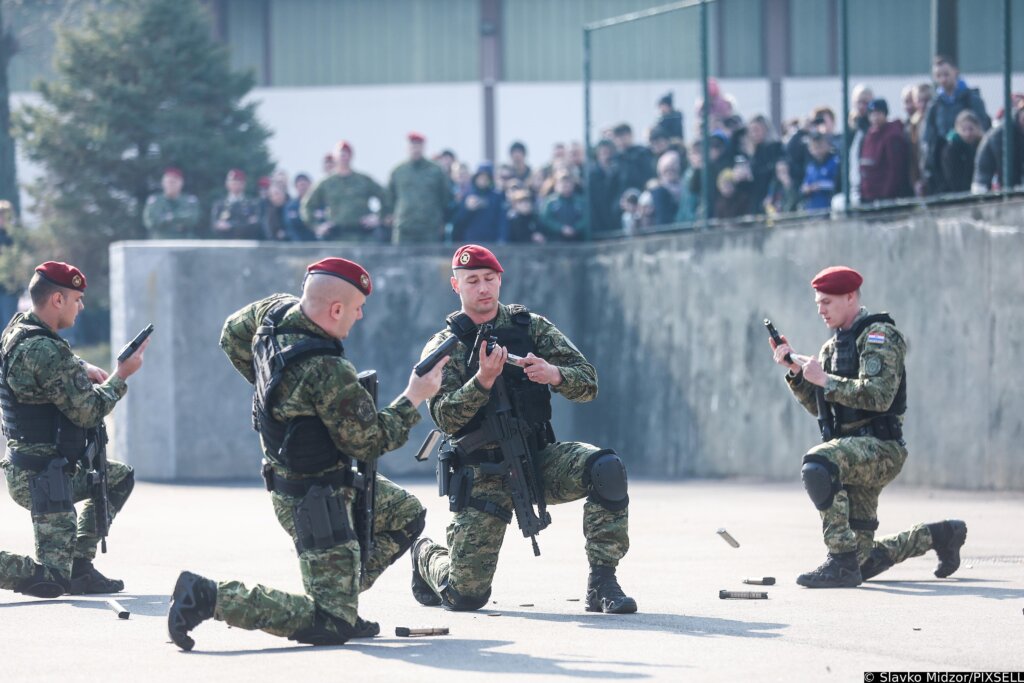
(872, 365)
(81, 381)
(876, 337)
(365, 411)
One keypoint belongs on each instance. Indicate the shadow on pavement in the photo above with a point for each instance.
(952, 587)
(449, 654)
(144, 605)
(665, 623)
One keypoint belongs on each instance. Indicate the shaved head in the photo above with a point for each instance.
(332, 303)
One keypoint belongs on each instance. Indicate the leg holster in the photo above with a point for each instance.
(321, 521)
(50, 489)
(459, 489)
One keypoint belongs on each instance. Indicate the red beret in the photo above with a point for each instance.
(473, 256)
(837, 280)
(236, 174)
(343, 146)
(62, 275)
(174, 171)
(417, 137)
(349, 271)
(264, 182)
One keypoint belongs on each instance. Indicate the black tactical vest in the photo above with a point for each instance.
(846, 363)
(303, 444)
(531, 402)
(35, 423)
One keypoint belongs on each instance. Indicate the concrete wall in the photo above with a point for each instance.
(673, 324)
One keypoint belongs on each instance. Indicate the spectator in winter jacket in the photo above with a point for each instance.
(665, 195)
(523, 224)
(635, 163)
(603, 190)
(884, 170)
(565, 217)
(952, 96)
(822, 175)
(959, 151)
(480, 216)
(988, 164)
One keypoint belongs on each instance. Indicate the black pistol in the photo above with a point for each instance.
(774, 334)
(428, 363)
(133, 346)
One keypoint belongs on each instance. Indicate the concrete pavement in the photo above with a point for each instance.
(536, 628)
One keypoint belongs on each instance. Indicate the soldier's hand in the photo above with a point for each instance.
(779, 354)
(130, 365)
(813, 372)
(96, 375)
(491, 364)
(540, 371)
(419, 388)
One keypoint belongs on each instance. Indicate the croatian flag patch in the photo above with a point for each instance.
(876, 338)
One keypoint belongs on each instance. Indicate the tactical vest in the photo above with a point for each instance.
(846, 363)
(302, 444)
(37, 423)
(531, 402)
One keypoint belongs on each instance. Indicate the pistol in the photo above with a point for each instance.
(428, 363)
(774, 334)
(133, 346)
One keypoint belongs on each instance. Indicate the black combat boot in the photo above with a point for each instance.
(421, 590)
(878, 561)
(192, 603)
(44, 583)
(947, 539)
(839, 570)
(87, 580)
(604, 593)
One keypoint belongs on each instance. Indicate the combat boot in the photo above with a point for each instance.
(192, 603)
(87, 580)
(604, 593)
(421, 590)
(839, 570)
(44, 583)
(947, 539)
(878, 561)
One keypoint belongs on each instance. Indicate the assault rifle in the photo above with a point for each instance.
(364, 505)
(96, 455)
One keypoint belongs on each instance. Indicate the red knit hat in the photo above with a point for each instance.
(837, 280)
(62, 274)
(349, 271)
(473, 256)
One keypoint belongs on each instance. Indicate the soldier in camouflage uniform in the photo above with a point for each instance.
(420, 193)
(236, 216)
(314, 419)
(858, 387)
(52, 404)
(458, 577)
(171, 215)
(338, 207)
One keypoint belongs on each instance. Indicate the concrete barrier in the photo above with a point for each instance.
(673, 324)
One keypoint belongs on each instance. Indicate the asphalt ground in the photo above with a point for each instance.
(535, 628)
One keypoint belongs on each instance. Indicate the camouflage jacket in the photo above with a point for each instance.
(882, 351)
(45, 370)
(242, 214)
(321, 386)
(420, 193)
(461, 396)
(342, 199)
(167, 218)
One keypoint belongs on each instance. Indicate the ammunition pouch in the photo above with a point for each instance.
(321, 520)
(50, 489)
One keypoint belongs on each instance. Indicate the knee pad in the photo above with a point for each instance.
(44, 583)
(407, 535)
(119, 493)
(821, 481)
(327, 629)
(454, 601)
(605, 478)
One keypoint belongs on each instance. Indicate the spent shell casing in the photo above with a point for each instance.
(741, 595)
(727, 537)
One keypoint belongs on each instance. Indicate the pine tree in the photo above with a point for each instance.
(140, 85)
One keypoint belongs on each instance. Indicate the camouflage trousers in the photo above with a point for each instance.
(465, 569)
(61, 536)
(330, 577)
(866, 465)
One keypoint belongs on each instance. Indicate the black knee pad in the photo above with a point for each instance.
(119, 493)
(44, 583)
(454, 601)
(605, 478)
(407, 535)
(821, 480)
(322, 633)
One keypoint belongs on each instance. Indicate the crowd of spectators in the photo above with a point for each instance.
(944, 142)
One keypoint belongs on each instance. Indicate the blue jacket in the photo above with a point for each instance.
(823, 177)
(487, 223)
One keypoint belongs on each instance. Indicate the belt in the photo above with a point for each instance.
(300, 487)
(35, 463)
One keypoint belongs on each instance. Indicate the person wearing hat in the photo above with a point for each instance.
(314, 418)
(338, 207)
(458, 577)
(171, 215)
(420, 194)
(481, 215)
(236, 216)
(53, 406)
(884, 157)
(857, 386)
